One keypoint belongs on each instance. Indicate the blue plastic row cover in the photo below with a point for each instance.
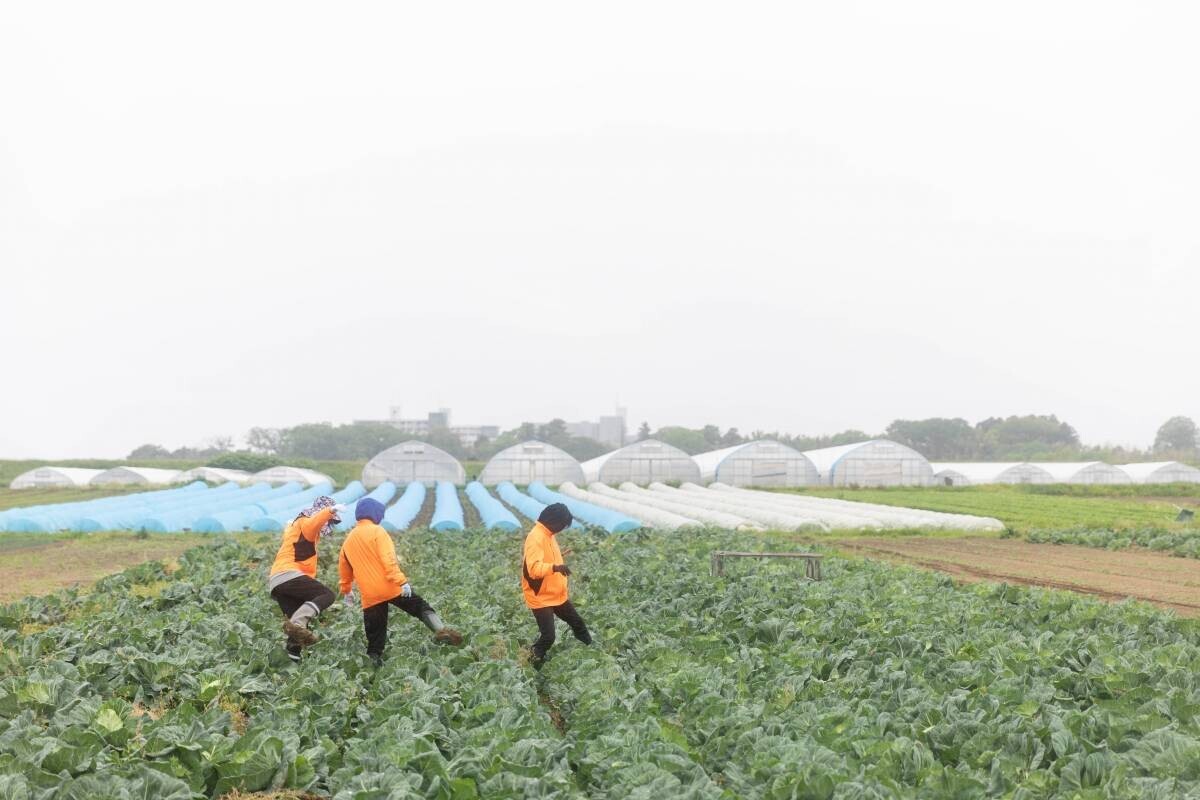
(611, 521)
(447, 510)
(493, 513)
(399, 516)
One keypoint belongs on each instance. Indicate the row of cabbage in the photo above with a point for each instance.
(876, 682)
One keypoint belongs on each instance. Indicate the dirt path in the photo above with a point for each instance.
(43, 563)
(1164, 580)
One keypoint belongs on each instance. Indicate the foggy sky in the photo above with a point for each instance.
(794, 217)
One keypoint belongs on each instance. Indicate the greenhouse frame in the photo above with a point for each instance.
(759, 463)
(1161, 472)
(136, 476)
(54, 478)
(877, 462)
(413, 461)
(278, 476)
(978, 473)
(642, 463)
(215, 475)
(1084, 472)
(531, 461)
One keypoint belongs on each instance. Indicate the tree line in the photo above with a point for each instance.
(1016, 438)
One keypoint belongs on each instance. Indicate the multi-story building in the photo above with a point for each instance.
(609, 430)
(438, 421)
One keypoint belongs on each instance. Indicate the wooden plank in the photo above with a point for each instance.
(736, 554)
(812, 561)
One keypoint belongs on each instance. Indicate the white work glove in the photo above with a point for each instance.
(338, 508)
(348, 599)
(406, 590)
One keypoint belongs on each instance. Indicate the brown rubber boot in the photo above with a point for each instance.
(448, 636)
(300, 635)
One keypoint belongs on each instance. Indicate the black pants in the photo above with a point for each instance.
(545, 622)
(375, 619)
(294, 593)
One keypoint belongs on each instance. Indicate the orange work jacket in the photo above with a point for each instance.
(298, 550)
(543, 586)
(368, 557)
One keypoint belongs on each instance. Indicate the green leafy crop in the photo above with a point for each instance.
(879, 681)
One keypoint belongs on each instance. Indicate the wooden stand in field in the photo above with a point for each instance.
(812, 561)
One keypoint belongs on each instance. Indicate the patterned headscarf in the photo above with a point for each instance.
(322, 502)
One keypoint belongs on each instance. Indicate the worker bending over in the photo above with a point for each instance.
(369, 558)
(544, 581)
(293, 581)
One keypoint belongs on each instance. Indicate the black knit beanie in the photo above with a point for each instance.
(556, 517)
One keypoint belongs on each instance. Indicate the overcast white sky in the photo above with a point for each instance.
(803, 217)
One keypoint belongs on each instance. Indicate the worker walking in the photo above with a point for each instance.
(544, 581)
(293, 581)
(368, 558)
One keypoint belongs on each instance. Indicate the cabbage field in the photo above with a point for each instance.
(879, 681)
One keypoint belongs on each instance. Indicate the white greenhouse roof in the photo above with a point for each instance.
(531, 461)
(982, 471)
(826, 457)
(763, 452)
(413, 461)
(1161, 471)
(54, 476)
(1070, 471)
(647, 450)
(285, 474)
(215, 475)
(136, 475)
(708, 462)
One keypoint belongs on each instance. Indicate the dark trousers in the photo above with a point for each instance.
(545, 622)
(375, 619)
(294, 593)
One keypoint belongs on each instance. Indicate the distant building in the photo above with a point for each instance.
(438, 420)
(609, 430)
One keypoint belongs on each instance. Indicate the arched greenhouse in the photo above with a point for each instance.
(531, 461)
(877, 462)
(642, 463)
(1161, 472)
(54, 478)
(977, 473)
(1084, 472)
(413, 461)
(760, 463)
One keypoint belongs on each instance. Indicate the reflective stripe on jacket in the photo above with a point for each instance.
(298, 550)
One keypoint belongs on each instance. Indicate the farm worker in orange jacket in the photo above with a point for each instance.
(369, 558)
(544, 581)
(293, 581)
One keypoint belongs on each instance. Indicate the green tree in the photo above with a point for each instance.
(643, 432)
(245, 460)
(553, 432)
(731, 438)
(1177, 435)
(937, 438)
(581, 448)
(264, 440)
(1026, 437)
(149, 451)
(688, 440)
